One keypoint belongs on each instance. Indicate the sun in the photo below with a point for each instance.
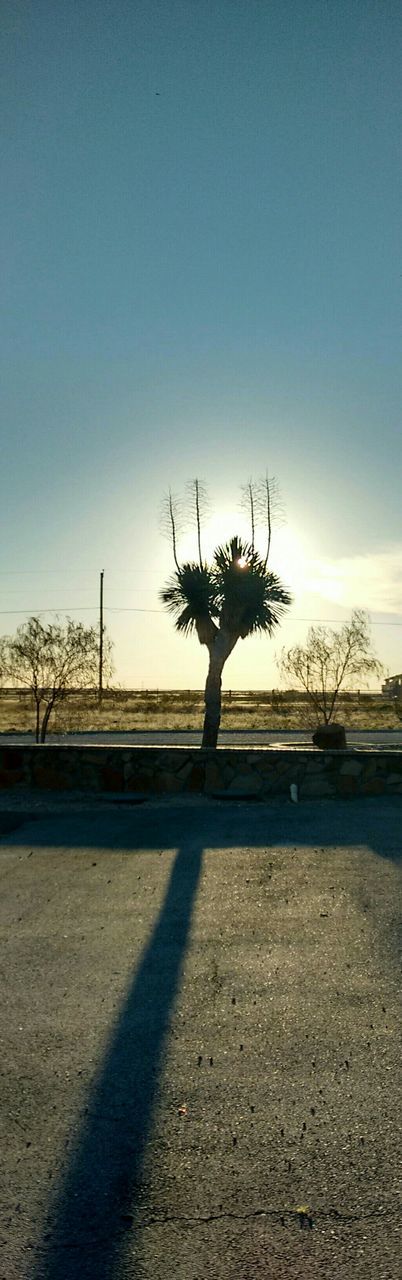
(288, 556)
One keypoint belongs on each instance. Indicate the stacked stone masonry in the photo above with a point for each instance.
(253, 772)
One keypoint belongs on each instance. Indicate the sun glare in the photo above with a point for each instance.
(289, 555)
(217, 531)
(288, 558)
(326, 581)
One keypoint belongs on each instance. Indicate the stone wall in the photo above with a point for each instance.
(256, 772)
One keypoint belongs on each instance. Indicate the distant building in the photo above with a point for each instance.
(392, 687)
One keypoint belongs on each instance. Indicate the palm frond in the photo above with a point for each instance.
(191, 597)
(265, 601)
(250, 597)
(229, 557)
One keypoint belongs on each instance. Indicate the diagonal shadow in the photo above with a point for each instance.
(370, 821)
(87, 1224)
(375, 821)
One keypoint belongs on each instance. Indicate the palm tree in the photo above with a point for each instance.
(234, 597)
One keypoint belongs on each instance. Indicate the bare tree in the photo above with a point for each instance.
(234, 597)
(52, 660)
(3, 658)
(329, 660)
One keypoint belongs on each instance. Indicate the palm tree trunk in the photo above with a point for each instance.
(219, 651)
(212, 699)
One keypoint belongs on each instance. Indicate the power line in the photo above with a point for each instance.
(29, 573)
(91, 608)
(338, 621)
(88, 608)
(126, 609)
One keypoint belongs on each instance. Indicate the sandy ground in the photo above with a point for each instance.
(200, 1040)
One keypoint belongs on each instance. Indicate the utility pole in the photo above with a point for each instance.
(100, 691)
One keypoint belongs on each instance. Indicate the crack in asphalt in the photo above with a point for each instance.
(306, 1218)
(336, 1214)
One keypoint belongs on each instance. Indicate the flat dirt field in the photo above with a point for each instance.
(183, 709)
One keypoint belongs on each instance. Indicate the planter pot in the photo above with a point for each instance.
(330, 737)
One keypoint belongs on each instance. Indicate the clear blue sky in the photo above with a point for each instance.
(202, 275)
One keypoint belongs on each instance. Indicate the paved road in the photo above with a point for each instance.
(200, 1036)
(228, 737)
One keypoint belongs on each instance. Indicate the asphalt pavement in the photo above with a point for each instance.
(227, 737)
(200, 1040)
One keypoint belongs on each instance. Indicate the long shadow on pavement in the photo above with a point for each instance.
(375, 821)
(90, 1219)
